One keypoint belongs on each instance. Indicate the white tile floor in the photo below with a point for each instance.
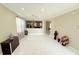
(41, 45)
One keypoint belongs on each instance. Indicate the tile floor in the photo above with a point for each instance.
(41, 45)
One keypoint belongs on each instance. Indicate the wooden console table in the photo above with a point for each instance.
(9, 45)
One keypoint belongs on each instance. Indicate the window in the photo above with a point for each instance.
(20, 23)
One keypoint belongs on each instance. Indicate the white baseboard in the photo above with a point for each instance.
(74, 50)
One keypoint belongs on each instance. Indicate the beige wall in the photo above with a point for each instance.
(68, 24)
(7, 22)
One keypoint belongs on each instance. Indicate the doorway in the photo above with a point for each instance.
(48, 27)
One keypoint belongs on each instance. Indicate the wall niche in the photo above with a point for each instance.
(33, 24)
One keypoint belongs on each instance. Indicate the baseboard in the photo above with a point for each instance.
(74, 50)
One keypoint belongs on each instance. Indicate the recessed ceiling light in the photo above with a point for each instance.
(22, 9)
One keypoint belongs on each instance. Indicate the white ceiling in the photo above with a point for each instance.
(41, 10)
